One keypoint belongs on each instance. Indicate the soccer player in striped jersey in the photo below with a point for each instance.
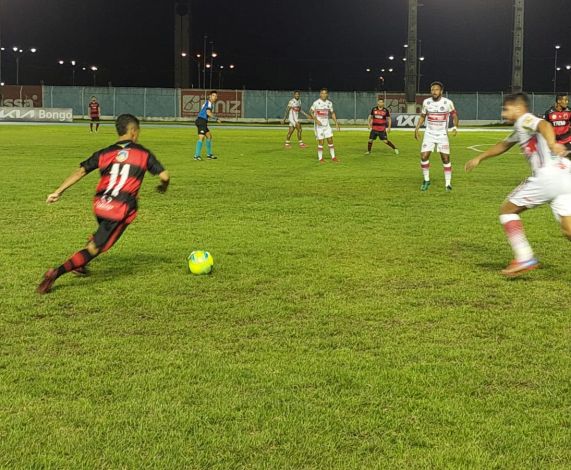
(559, 116)
(293, 109)
(122, 167)
(94, 110)
(436, 111)
(550, 182)
(380, 123)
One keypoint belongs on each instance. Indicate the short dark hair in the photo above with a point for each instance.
(324, 89)
(124, 121)
(213, 92)
(440, 84)
(560, 96)
(517, 98)
(93, 97)
(296, 91)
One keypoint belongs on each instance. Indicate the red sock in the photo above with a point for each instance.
(78, 260)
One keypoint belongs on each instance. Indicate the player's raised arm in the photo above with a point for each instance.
(498, 149)
(68, 183)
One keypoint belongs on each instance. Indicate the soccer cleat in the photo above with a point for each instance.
(425, 186)
(448, 188)
(303, 146)
(367, 153)
(516, 268)
(287, 146)
(334, 159)
(212, 157)
(198, 158)
(397, 152)
(47, 282)
(80, 272)
(322, 160)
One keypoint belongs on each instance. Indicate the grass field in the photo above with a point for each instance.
(351, 321)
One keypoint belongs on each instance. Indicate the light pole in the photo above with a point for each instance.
(18, 52)
(204, 66)
(73, 64)
(94, 70)
(214, 55)
(198, 56)
(220, 78)
(557, 47)
(420, 61)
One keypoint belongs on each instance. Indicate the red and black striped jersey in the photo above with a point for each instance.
(94, 109)
(380, 116)
(561, 122)
(122, 167)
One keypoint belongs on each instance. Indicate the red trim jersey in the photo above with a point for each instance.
(438, 115)
(380, 117)
(561, 122)
(122, 167)
(534, 146)
(94, 109)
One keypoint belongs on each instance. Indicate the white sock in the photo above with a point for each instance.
(448, 173)
(332, 150)
(516, 236)
(320, 152)
(425, 169)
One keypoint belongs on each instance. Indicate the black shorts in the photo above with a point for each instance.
(202, 126)
(109, 231)
(95, 118)
(568, 146)
(380, 134)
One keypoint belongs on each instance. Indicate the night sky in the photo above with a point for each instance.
(287, 44)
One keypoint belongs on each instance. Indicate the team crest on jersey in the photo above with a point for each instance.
(442, 108)
(122, 156)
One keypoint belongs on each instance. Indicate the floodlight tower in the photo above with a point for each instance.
(411, 63)
(518, 38)
(182, 44)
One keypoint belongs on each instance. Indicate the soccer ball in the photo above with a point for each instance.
(200, 262)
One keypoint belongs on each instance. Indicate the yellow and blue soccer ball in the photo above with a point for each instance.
(200, 262)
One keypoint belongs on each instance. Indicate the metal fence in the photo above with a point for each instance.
(268, 105)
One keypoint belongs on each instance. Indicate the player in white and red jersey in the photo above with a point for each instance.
(550, 182)
(436, 112)
(293, 109)
(320, 111)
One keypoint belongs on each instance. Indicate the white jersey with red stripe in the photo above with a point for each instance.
(437, 115)
(534, 145)
(294, 109)
(322, 109)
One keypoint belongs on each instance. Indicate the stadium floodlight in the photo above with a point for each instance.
(405, 46)
(84, 68)
(232, 66)
(2, 84)
(214, 55)
(2, 49)
(390, 70)
(568, 67)
(207, 66)
(367, 70)
(73, 62)
(33, 50)
(421, 59)
(557, 46)
(221, 67)
(61, 62)
(15, 48)
(404, 59)
(558, 69)
(198, 56)
(391, 57)
(183, 54)
(21, 50)
(94, 68)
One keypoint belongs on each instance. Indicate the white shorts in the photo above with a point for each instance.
(552, 187)
(293, 121)
(440, 141)
(323, 132)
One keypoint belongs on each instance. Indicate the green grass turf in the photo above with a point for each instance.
(351, 321)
